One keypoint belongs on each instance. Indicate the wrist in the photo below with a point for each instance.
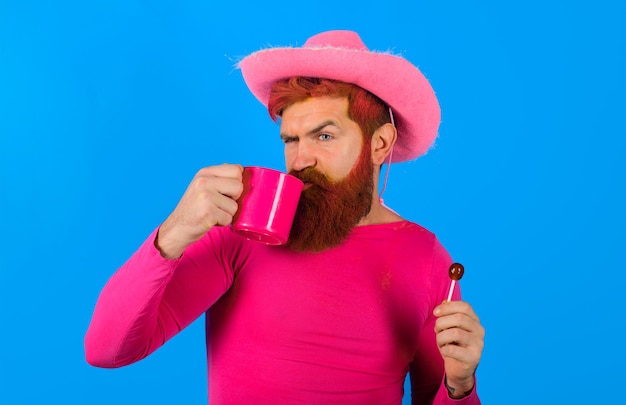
(459, 389)
(167, 246)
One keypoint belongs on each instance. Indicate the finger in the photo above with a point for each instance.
(234, 171)
(456, 320)
(469, 334)
(453, 336)
(222, 218)
(460, 346)
(227, 186)
(225, 203)
(461, 354)
(216, 209)
(452, 307)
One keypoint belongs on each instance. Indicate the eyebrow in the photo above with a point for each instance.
(314, 130)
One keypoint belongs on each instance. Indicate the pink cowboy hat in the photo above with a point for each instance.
(342, 55)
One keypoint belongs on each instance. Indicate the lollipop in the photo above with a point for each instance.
(455, 272)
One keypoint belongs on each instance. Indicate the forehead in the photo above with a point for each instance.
(316, 108)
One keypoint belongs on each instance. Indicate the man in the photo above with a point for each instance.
(355, 299)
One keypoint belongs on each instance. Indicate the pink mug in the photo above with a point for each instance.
(267, 205)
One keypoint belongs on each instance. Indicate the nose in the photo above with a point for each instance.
(299, 156)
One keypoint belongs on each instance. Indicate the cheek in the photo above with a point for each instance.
(342, 166)
(354, 154)
(345, 166)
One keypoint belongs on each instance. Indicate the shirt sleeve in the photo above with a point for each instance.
(150, 298)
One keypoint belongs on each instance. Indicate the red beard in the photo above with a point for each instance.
(328, 210)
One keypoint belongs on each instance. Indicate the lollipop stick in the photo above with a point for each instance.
(451, 289)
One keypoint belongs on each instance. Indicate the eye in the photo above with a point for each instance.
(325, 137)
(289, 139)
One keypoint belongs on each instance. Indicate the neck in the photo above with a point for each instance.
(379, 214)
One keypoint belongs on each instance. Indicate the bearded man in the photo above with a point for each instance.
(357, 296)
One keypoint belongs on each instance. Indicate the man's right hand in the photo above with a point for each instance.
(210, 199)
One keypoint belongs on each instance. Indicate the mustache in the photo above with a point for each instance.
(312, 176)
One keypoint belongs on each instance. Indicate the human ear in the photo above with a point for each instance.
(382, 141)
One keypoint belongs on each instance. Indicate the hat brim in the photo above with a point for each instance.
(392, 78)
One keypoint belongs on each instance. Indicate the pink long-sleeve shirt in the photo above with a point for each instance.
(339, 327)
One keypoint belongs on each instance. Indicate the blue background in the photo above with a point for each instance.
(108, 108)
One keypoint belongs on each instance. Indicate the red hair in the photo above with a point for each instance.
(364, 108)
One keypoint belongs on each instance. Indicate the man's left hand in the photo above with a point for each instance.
(460, 338)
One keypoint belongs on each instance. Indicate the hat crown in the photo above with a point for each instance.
(336, 39)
